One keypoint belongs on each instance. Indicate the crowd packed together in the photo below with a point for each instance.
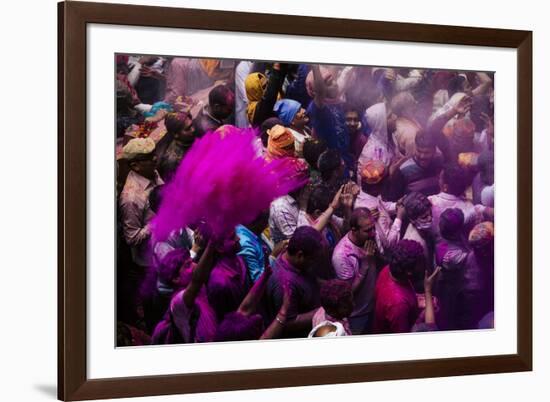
(387, 226)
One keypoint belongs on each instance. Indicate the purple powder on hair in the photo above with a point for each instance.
(224, 182)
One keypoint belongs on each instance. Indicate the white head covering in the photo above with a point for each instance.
(138, 146)
(340, 331)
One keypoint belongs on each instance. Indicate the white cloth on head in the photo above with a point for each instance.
(377, 145)
(340, 331)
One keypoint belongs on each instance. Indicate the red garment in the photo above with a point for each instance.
(396, 308)
(124, 79)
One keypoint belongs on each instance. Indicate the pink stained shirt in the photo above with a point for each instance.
(346, 260)
(396, 308)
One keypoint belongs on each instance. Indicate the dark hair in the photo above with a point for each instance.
(480, 104)
(267, 125)
(174, 122)
(305, 239)
(450, 223)
(319, 199)
(334, 292)
(238, 327)
(404, 257)
(220, 95)
(313, 148)
(328, 162)
(455, 178)
(416, 204)
(170, 265)
(456, 84)
(424, 140)
(350, 107)
(357, 215)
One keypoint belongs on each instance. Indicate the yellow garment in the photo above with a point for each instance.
(210, 66)
(468, 160)
(255, 86)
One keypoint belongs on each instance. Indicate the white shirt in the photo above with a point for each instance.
(283, 218)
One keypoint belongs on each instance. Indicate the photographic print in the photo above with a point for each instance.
(271, 200)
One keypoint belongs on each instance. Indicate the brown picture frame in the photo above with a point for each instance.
(73, 17)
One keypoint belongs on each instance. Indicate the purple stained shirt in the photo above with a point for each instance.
(228, 285)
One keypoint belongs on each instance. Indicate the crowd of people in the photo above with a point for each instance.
(390, 230)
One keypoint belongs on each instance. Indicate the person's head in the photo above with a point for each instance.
(291, 113)
(337, 298)
(139, 152)
(405, 259)
(255, 85)
(318, 201)
(229, 245)
(372, 176)
(300, 174)
(419, 210)
(353, 118)
(221, 100)
(453, 180)
(462, 135)
(481, 239)
(327, 329)
(331, 165)
(175, 268)
(180, 125)
(313, 148)
(303, 247)
(266, 126)
(258, 225)
(331, 84)
(239, 327)
(451, 223)
(425, 147)
(280, 143)
(480, 105)
(362, 226)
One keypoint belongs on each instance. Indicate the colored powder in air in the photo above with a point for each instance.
(224, 182)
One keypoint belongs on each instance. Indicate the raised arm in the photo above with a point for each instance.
(200, 275)
(319, 86)
(364, 265)
(264, 109)
(429, 315)
(485, 83)
(250, 303)
(324, 219)
(277, 326)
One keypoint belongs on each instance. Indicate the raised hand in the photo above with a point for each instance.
(370, 247)
(336, 200)
(430, 279)
(464, 105)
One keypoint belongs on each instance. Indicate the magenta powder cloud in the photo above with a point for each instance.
(223, 181)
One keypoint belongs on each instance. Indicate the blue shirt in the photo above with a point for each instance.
(329, 123)
(251, 251)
